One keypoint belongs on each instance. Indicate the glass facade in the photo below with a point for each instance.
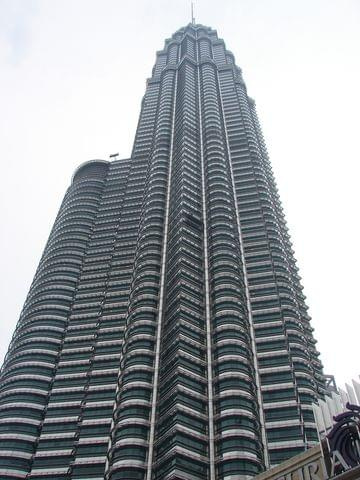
(165, 334)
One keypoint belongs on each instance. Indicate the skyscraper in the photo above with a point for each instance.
(165, 334)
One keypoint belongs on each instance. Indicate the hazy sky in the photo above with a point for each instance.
(72, 74)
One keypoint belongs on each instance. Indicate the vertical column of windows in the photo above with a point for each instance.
(218, 50)
(181, 440)
(188, 46)
(160, 64)
(144, 132)
(275, 374)
(237, 440)
(173, 53)
(34, 354)
(307, 367)
(204, 48)
(105, 325)
(128, 452)
(265, 256)
(209, 333)
(131, 421)
(87, 374)
(258, 227)
(78, 376)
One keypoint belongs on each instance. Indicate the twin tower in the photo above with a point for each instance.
(165, 334)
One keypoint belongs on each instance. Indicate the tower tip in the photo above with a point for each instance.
(192, 13)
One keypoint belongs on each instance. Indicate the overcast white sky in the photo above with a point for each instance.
(72, 74)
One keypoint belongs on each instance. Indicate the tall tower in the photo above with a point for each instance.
(165, 334)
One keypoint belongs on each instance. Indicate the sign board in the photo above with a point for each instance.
(338, 454)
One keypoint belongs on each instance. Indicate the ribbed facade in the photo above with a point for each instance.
(165, 335)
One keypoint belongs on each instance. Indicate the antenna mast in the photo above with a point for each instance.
(192, 13)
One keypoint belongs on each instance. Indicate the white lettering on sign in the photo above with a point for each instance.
(310, 471)
(337, 460)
